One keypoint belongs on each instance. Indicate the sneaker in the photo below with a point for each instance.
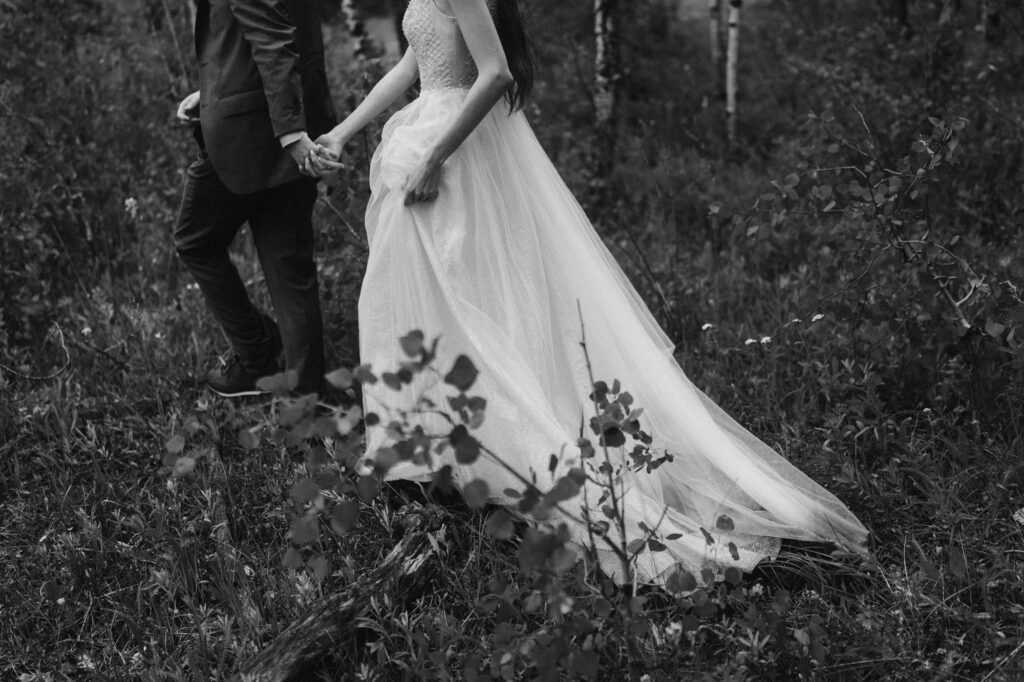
(235, 380)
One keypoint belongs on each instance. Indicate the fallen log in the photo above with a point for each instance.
(405, 571)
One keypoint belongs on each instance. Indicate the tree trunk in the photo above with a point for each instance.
(357, 29)
(989, 22)
(404, 573)
(896, 14)
(398, 13)
(606, 70)
(901, 13)
(715, 37)
(732, 58)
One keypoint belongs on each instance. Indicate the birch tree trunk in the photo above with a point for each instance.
(715, 37)
(732, 58)
(989, 22)
(398, 13)
(606, 75)
(901, 12)
(357, 29)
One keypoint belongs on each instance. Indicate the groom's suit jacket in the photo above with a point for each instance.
(262, 77)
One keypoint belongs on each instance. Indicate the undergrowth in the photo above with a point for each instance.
(858, 315)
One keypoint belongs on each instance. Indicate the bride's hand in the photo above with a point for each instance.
(422, 184)
(324, 158)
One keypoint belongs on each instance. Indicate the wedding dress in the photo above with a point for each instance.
(500, 266)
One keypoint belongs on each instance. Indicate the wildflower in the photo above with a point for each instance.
(706, 326)
(749, 342)
(86, 330)
(765, 339)
(817, 316)
(131, 207)
(756, 590)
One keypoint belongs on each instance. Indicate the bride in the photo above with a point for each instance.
(474, 237)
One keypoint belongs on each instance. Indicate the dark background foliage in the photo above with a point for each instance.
(845, 279)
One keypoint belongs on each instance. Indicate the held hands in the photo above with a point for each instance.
(300, 150)
(323, 159)
(188, 110)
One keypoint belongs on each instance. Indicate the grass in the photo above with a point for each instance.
(114, 568)
(110, 567)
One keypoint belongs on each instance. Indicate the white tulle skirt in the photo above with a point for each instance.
(499, 266)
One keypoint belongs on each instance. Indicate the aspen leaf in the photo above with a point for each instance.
(476, 493)
(367, 487)
(467, 448)
(248, 440)
(463, 374)
(292, 559)
(321, 567)
(707, 537)
(341, 379)
(733, 576)
(499, 525)
(304, 491)
(364, 375)
(176, 444)
(344, 516)
(681, 581)
(412, 343)
(184, 466)
(305, 530)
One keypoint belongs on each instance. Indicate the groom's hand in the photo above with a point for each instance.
(299, 150)
(325, 159)
(188, 110)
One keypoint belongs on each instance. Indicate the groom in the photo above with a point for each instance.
(262, 95)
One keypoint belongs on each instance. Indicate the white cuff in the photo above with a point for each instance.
(288, 138)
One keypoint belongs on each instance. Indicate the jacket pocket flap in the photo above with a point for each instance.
(242, 103)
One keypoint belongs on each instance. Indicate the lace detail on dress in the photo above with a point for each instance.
(441, 52)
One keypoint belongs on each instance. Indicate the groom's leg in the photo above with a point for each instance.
(208, 221)
(282, 227)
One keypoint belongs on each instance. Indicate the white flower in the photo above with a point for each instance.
(86, 330)
(749, 342)
(817, 317)
(131, 207)
(756, 589)
(766, 339)
(706, 326)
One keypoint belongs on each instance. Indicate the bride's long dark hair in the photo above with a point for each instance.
(508, 19)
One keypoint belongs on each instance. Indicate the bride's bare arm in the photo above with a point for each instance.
(492, 82)
(388, 89)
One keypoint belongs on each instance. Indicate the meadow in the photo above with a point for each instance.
(845, 280)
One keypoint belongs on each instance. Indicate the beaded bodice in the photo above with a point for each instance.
(441, 52)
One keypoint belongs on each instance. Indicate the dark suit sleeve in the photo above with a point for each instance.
(270, 32)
